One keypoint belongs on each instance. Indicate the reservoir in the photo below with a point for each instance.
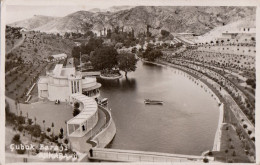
(185, 124)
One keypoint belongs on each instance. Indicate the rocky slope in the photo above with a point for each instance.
(34, 22)
(175, 19)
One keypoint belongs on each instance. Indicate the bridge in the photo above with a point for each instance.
(117, 155)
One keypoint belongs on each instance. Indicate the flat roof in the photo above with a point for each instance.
(59, 55)
(90, 107)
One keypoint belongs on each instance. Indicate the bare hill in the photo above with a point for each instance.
(34, 22)
(230, 27)
(35, 46)
(175, 19)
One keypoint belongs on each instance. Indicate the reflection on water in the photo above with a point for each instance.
(123, 84)
(186, 123)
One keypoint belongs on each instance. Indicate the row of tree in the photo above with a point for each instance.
(104, 57)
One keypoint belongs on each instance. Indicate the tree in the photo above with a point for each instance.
(61, 131)
(165, 33)
(66, 141)
(52, 125)
(251, 82)
(205, 160)
(126, 62)
(245, 126)
(76, 112)
(76, 52)
(16, 139)
(36, 131)
(76, 105)
(76, 109)
(109, 32)
(48, 130)
(30, 121)
(104, 58)
(43, 125)
(152, 55)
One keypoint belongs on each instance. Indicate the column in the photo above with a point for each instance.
(80, 128)
(67, 126)
(73, 128)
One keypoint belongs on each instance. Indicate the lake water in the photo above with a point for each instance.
(185, 124)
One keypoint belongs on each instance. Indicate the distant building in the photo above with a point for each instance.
(61, 83)
(23, 30)
(228, 35)
(247, 30)
(58, 57)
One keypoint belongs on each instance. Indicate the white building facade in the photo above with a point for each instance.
(61, 83)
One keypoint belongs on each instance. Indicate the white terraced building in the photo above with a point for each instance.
(86, 119)
(61, 83)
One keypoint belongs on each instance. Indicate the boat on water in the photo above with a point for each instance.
(154, 102)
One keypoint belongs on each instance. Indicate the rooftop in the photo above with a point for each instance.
(59, 55)
(89, 108)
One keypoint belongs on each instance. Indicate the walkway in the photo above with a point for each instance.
(17, 44)
(83, 140)
(117, 155)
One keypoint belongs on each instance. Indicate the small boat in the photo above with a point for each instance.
(148, 101)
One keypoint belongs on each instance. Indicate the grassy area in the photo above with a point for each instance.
(231, 149)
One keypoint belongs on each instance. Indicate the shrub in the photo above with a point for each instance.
(205, 160)
(244, 126)
(66, 141)
(230, 161)
(20, 128)
(226, 151)
(16, 139)
(20, 150)
(56, 138)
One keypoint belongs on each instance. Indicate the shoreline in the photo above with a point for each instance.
(217, 139)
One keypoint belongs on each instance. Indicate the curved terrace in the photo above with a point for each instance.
(86, 120)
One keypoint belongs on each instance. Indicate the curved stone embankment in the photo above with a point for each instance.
(107, 133)
(217, 139)
(110, 78)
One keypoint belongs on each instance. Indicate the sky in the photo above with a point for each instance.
(22, 9)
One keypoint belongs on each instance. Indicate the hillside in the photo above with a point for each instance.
(233, 26)
(111, 9)
(34, 46)
(34, 22)
(199, 20)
